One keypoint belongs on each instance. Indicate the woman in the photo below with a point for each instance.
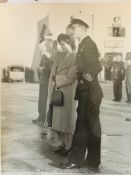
(64, 76)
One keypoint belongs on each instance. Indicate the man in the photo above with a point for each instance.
(4, 77)
(128, 78)
(31, 76)
(27, 72)
(87, 136)
(44, 70)
(118, 75)
(70, 32)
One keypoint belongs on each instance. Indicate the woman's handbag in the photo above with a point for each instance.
(57, 98)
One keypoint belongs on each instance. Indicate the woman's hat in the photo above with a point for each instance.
(66, 38)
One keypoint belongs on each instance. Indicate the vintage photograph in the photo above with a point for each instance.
(65, 87)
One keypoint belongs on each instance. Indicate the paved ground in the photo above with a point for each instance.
(25, 152)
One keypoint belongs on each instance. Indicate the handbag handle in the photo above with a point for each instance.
(55, 76)
(55, 87)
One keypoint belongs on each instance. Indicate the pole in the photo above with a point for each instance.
(92, 24)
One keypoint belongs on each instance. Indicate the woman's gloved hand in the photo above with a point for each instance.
(53, 78)
(79, 75)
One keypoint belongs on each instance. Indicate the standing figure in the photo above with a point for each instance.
(31, 75)
(44, 70)
(118, 75)
(64, 75)
(128, 79)
(27, 74)
(101, 76)
(4, 75)
(87, 136)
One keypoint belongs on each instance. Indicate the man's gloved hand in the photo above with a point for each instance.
(40, 69)
(84, 77)
(87, 77)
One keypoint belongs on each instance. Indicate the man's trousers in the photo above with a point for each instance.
(117, 89)
(43, 93)
(86, 145)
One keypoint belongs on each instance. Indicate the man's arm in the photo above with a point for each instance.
(91, 58)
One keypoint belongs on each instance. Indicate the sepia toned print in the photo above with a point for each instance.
(65, 88)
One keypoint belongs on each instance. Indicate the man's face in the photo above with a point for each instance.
(119, 58)
(114, 59)
(78, 31)
(70, 31)
(48, 44)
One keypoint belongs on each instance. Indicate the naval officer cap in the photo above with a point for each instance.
(80, 22)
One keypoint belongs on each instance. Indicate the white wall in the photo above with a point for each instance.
(104, 19)
(18, 28)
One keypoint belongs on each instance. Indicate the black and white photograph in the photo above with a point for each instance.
(65, 87)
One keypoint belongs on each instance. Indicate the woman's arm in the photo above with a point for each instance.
(65, 80)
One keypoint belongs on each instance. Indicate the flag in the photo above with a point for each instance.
(43, 29)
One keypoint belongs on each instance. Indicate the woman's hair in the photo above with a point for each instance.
(67, 39)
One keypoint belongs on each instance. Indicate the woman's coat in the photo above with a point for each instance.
(64, 70)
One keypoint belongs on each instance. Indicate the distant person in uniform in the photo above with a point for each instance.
(101, 75)
(128, 78)
(118, 75)
(31, 77)
(27, 75)
(3, 75)
(108, 70)
(87, 136)
(44, 70)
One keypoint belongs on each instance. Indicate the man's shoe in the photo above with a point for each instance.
(59, 149)
(113, 99)
(36, 121)
(69, 166)
(91, 167)
(119, 100)
(64, 152)
(41, 124)
(116, 100)
(72, 166)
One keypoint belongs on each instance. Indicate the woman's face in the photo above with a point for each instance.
(65, 47)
